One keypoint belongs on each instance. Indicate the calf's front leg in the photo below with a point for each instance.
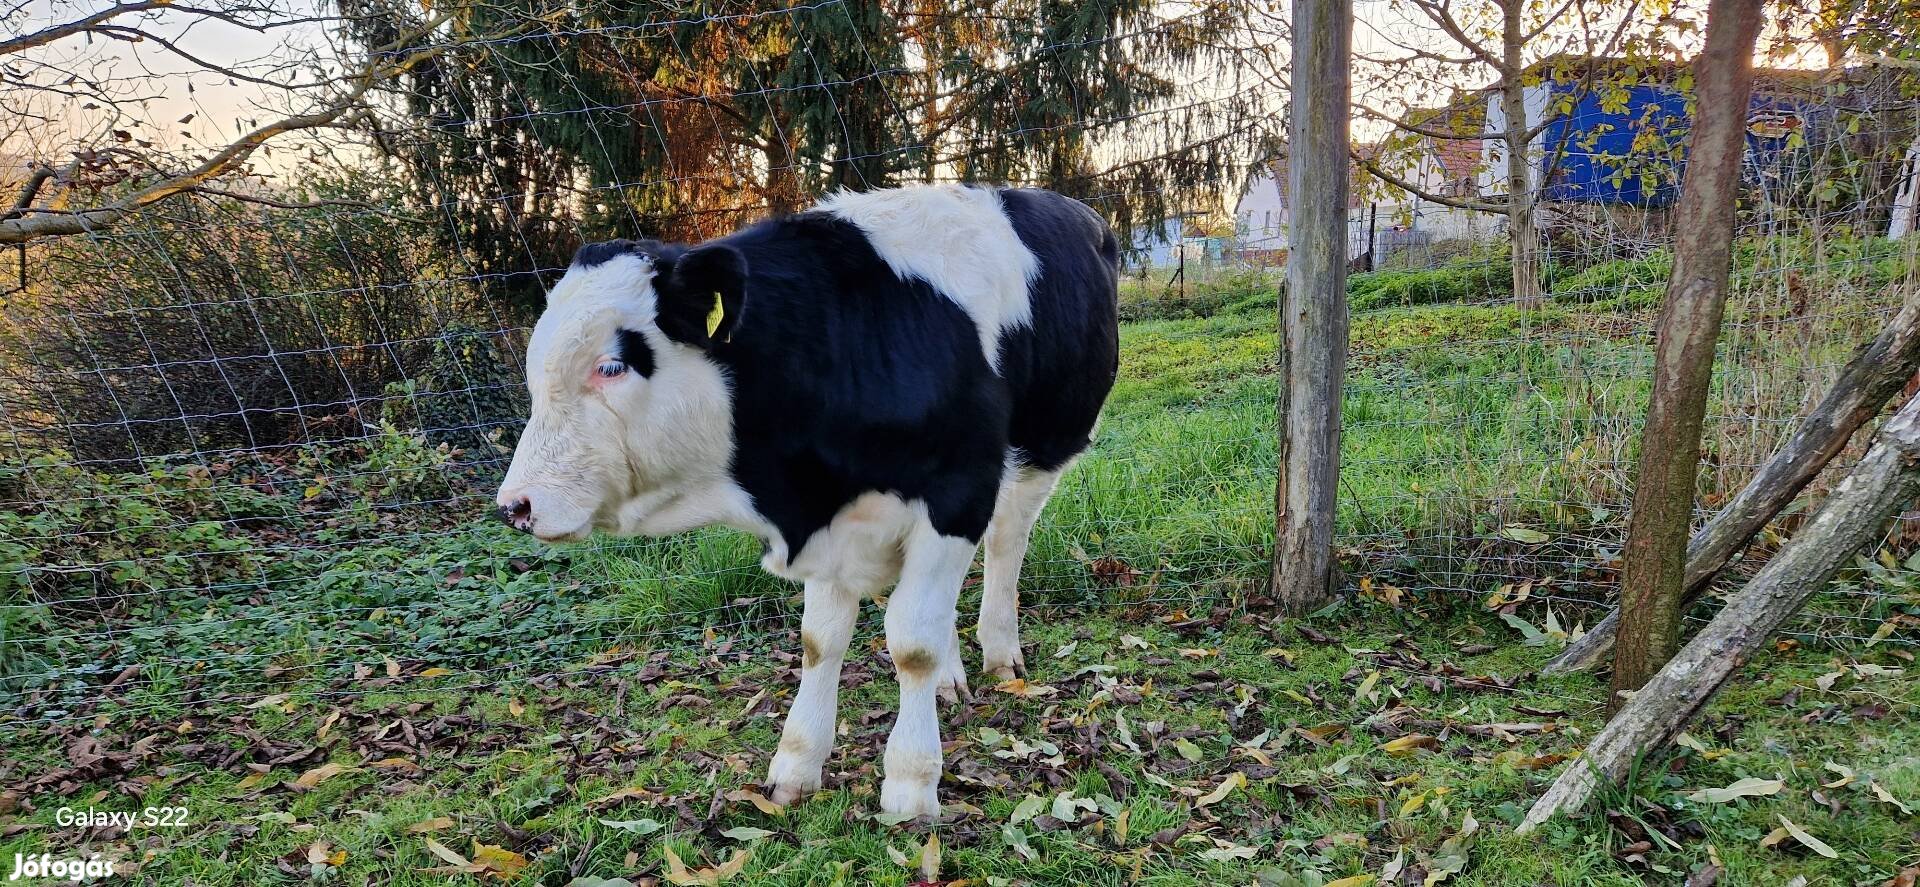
(826, 625)
(920, 637)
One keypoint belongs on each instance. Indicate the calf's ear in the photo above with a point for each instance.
(702, 294)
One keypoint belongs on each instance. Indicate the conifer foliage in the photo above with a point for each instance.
(685, 120)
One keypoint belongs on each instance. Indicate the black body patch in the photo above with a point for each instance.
(1062, 365)
(848, 379)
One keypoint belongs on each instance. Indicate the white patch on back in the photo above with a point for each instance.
(957, 239)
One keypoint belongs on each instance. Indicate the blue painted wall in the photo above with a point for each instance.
(1631, 152)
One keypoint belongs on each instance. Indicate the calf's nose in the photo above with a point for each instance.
(518, 513)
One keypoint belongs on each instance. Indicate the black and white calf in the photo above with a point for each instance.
(893, 376)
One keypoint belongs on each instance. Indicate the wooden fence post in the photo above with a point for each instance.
(1874, 377)
(1853, 516)
(1653, 580)
(1313, 305)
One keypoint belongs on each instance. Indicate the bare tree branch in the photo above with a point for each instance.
(50, 34)
(1375, 169)
(29, 223)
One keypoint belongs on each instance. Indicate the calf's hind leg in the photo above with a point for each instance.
(1022, 495)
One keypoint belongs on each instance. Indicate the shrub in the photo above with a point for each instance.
(405, 468)
(1225, 291)
(70, 536)
(1474, 280)
(215, 325)
(468, 394)
(1632, 283)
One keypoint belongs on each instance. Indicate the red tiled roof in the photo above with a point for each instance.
(1459, 158)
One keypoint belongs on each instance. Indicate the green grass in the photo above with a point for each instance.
(525, 766)
(577, 671)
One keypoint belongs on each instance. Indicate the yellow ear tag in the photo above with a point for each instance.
(714, 317)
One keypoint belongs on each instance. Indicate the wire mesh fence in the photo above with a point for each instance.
(253, 436)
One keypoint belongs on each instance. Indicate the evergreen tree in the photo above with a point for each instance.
(600, 118)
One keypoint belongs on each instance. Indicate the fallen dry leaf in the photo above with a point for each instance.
(1745, 788)
(1409, 744)
(1234, 780)
(710, 876)
(1787, 827)
(322, 773)
(1019, 687)
(758, 800)
(499, 860)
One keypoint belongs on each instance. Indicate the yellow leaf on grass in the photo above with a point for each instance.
(447, 854)
(1744, 788)
(326, 726)
(1409, 744)
(677, 872)
(1019, 687)
(321, 774)
(1888, 797)
(1413, 804)
(498, 859)
(758, 800)
(436, 672)
(430, 825)
(1234, 780)
(1366, 686)
(930, 859)
(1806, 840)
(1352, 881)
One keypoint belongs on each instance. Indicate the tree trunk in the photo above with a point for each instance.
(1874, 377)
(1854, 516)
(1653, 581)
(1313, 307)
(1523, 234)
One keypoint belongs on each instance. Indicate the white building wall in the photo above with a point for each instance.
(1260, 218)
(1493, 151)
(1906, 206)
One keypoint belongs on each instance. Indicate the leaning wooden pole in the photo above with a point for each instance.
(1653, 578)
(1864, 387)
(1854, 516)
(1313, 306)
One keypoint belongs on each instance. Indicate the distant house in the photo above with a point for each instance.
(1174, 241)
(1381, 219)
(1619, 134)
(1616, 139)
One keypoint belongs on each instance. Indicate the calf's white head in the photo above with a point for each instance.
(629, 411)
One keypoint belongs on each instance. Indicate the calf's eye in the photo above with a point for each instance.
(610, 369)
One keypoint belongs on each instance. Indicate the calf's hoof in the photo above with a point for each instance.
(904, 798)
(789, 781)
(787, 795)
(1007, 671)
(952, 688)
